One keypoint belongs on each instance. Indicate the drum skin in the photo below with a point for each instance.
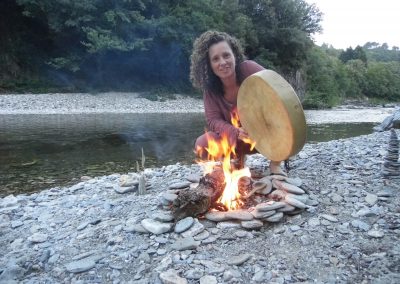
(272, 114)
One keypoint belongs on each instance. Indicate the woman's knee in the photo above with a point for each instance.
(202, 143)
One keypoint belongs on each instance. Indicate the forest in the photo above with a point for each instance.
(145, 46)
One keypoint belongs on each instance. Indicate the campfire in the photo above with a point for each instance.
(219, 155)
(229, 189)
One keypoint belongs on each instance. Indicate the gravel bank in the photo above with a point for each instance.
(112, 102)
(90, 233)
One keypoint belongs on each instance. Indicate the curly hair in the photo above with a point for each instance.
(201, 74)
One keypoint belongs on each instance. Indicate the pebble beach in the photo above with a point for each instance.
(98, 231)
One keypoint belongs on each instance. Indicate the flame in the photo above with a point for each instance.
(236, 123)
(219, 152)
(235, 118)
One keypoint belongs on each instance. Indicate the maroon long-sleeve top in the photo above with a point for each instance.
(218, 110)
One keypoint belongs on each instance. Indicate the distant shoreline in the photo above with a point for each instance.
(112, 102)
(127, 103)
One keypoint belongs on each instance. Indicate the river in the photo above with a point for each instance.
(42, 151)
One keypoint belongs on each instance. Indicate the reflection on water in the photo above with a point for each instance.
(327, 132)
(41, 151)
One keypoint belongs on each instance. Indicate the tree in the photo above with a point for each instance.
(353, 54)
(382, 80)
(134, 43)
(326, 80)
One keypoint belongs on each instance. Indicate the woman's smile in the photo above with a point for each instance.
(222, 60)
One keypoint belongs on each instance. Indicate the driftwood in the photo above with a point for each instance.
(193, 202)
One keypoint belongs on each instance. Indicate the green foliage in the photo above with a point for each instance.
(329, 81)
(353, 54)
(377, 52)
(144, 45)
(281, 30)
(355, 70)
(135, 43)
(382, 80)
(326, 80)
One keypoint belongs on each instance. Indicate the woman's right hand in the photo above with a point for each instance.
(243, 135)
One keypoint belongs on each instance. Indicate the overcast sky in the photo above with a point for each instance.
(354, 22)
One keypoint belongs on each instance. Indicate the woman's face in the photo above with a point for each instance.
(222, 60)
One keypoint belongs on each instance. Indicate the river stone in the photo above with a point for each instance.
(301, 197)
(314, 222)
(241, 215)
(209, 240)
(238, 259)
(202, 236)
(8, 201)
(277, 194)
(360, 225)
(228, 225)
(336, 198)
(194, 230)
(288, 187)
(11, 273)
(312, 202)
(129, 180)
(138, 228)
(294, 201)
(185, 244)
(385, 193)
(38, 238)
(81, 265)
(262, 214)
(171, 277)
(329, 217)
(184, 224)
(270, 205)
(371, 199)
(193, 178)
(194, 274)
(16, 224)
(179, 185)
(295, 181)
(164, 217)
(171, 197)
(277, 177)
(375, 234)
(295, 228)
(208, 279)
(252, 225)
(216, 216)
(122, 190)
(275, 218)
(241, 233)
(258, 276)
(367, 212)
(156, 227)
(286, 208)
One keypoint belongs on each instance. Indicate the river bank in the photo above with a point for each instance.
(89, 232)
(116, 102)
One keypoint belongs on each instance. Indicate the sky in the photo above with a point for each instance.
(348, 23)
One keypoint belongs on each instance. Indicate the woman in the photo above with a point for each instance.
(218, 67)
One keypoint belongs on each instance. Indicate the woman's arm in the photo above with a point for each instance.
(216, 116)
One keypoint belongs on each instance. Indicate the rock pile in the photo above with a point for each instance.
(267, 201)
(391, 165)
(392, 121)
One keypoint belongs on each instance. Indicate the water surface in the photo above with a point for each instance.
(42, 151)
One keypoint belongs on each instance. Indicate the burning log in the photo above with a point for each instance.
(193, 202)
